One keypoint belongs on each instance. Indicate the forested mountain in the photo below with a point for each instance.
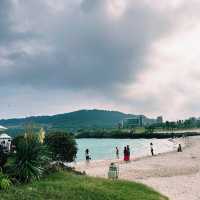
(71, 121)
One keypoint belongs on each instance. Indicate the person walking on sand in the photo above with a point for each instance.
(117, 153)
(151, 148)
(87, 155)
(128, 152)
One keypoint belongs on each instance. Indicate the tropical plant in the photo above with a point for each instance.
(3, 157)
(30, 159)
(17, 139)
(41, 135)
(5, 182)
(62, 146)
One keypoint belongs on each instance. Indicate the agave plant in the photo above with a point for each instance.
(31, 159)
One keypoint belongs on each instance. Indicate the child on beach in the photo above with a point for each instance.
(151, 148)
(117, 152)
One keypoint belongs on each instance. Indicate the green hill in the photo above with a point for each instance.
(71, 121)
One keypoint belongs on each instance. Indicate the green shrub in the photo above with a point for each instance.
(62, 146)
(17, 139)
(3, 157)
(5, 182)
(30, 159)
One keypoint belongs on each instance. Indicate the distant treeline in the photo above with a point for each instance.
(129, 134)
(177, 125)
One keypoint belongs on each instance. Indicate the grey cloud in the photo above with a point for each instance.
(90, 50)
(79, 48)
(4, 20)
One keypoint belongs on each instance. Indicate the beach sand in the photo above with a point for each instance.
(174, 174)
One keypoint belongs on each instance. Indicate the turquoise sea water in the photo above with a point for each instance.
(105, 148)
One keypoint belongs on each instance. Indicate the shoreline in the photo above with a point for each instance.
(174, 174)
(174, 141)
(154, 135)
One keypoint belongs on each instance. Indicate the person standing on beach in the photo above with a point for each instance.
(179, 148)
(151, 148)
(117, 152)
(128, 152)
(125, 154)
(87, 155)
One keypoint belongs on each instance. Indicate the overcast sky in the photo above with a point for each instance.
(140, 57)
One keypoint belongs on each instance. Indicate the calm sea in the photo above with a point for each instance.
(105, 148)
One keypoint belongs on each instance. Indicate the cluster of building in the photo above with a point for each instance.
(5, 140)
(140, 121)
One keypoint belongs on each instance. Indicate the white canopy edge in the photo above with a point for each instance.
(4, 136)
(3, 128)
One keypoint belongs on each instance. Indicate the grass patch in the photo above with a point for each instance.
(64, 185)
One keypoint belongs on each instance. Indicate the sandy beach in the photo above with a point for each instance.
(176, 175)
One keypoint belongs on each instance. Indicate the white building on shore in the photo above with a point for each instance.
(5, 140)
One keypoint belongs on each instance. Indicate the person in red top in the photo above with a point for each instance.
(126, 157)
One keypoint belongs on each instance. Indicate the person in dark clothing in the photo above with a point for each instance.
(128, 152)
(87, 155)
(151, 148)
(179, 148)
